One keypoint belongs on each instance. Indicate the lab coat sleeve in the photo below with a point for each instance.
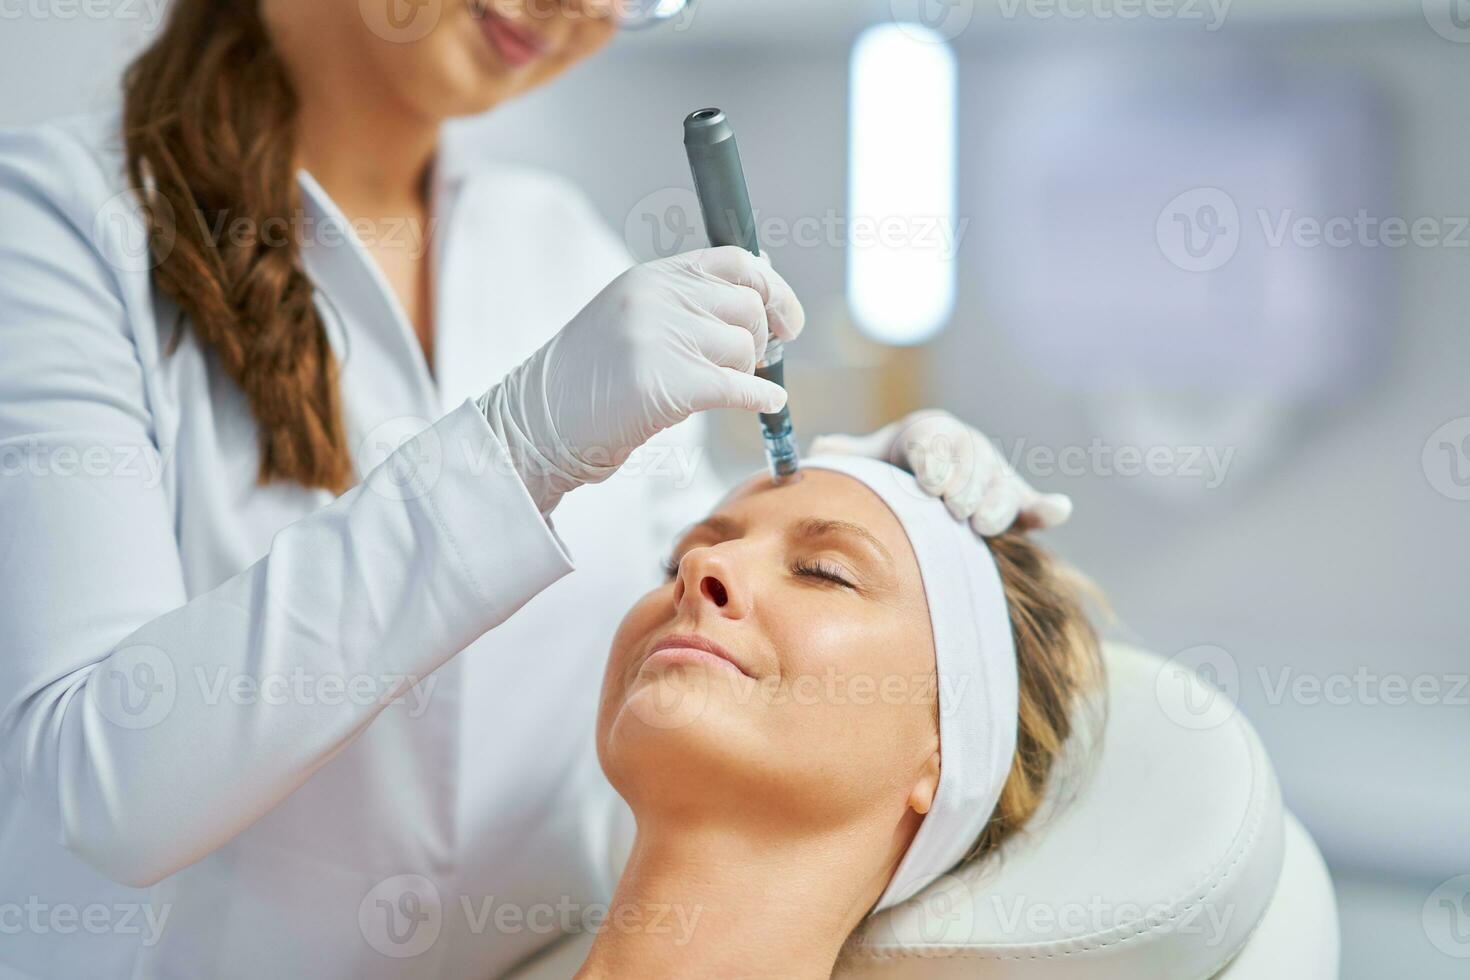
(120, 715)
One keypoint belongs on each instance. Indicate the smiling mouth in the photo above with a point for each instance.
(515, 45)
(689, 649)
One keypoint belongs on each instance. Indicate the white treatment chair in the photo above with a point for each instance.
(1170, 857)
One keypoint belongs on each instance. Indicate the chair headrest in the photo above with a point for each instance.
(1159, 864)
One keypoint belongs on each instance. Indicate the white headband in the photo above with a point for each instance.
(975, 666)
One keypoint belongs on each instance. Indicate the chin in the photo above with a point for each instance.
(679, 741)
(470, 88)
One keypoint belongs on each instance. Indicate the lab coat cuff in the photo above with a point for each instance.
(506, 548)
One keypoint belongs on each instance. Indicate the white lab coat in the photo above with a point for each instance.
(298, 828)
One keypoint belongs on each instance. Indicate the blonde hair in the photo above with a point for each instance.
(1059, 664)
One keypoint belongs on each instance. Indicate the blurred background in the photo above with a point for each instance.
(1200, 264)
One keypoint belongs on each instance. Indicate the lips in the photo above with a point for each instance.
(688, 648)
(516, 45)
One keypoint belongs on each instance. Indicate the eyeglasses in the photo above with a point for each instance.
(635, 15)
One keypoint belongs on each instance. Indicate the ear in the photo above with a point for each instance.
(921, 797)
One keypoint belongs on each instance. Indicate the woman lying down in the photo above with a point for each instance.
(840, 694)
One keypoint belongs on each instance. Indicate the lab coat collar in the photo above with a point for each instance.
(353, 290)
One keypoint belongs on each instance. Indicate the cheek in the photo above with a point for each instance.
(654, 609)
(861, 694)
(582, 39)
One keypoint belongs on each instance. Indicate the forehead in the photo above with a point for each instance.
(822, 494)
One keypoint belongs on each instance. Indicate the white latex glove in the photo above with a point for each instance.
(958, 464)
(664, 340)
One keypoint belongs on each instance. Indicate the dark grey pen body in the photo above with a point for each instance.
(724, 201)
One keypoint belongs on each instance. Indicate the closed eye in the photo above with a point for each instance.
(670, 567)
(815, 568)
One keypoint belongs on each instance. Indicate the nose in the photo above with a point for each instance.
(709, 582)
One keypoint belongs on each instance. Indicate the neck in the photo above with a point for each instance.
(734, 903)
(358, 136)
(370, 156)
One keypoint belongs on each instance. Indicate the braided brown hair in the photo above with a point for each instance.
(209, 117)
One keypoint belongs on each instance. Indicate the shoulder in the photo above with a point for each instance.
(74, 163)
(73, 240)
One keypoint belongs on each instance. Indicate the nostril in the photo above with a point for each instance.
(714, 591)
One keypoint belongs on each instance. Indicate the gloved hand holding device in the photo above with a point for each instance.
(664, 340)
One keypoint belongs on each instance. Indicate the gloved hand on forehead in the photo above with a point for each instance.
(958, 464)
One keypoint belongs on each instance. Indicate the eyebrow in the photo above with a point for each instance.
(719, 525)
(817, 527)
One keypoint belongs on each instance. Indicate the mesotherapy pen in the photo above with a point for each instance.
(724, 201)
